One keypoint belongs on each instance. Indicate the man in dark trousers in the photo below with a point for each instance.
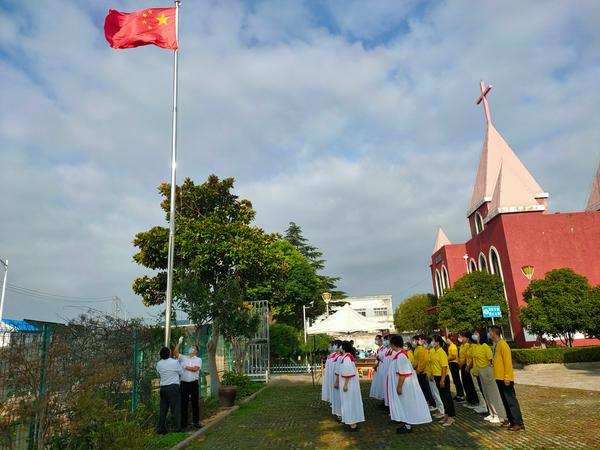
(169, 370)
(503, 373)
(191, 364)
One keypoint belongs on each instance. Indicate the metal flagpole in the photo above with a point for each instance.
(5, 264)
(173, 186)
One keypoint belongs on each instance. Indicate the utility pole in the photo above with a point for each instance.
(5, 264)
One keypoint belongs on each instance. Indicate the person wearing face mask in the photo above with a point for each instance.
(464, 359)
(435, 393)
(482, 363)
(386, 364)
(409, 352)
(325, 387)
(420, 363)
(336, 407)
(376, 390)
(454, 369)
(352, 412)
(407, 402)
(478, 353)
(191, 364)
(503, 373)
(440, 371)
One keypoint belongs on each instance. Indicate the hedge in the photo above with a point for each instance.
(556, 355)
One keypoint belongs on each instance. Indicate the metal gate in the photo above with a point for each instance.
(257, 364)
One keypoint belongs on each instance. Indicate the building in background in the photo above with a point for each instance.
(512, 227)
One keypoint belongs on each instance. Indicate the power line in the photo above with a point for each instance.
(50, 296)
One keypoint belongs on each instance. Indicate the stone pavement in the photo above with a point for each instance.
(575, 375)
(290, 414)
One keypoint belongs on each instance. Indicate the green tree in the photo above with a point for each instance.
(460, 306)
(284, 341)
(413, 315)
(592, 327)
(325, 283)
(219, 257)
(558, 305)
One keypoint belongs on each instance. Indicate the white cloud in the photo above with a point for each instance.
(368, 145)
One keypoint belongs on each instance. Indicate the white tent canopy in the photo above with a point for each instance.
(346, 320)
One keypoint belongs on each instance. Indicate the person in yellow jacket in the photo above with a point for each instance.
(454, 368)
(505, 380)
(467, 380)
(440, 371)
(420, 362)
(481, 408)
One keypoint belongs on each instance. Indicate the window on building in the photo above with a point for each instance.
(483, 263)
(445, 279)
(380, 312)
(473, 265)
(361, 311)
(495, 262)
(478, 223)
(438, 284)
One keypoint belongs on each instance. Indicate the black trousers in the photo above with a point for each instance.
(446, 395)
(170, 398)
(424, 383)
(511, 404)
(467, 381)
(455, 371)
(189, 393)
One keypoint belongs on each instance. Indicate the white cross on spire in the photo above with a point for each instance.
(483, 98)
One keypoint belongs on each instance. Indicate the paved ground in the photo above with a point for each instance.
(576, 375)
(290, 414)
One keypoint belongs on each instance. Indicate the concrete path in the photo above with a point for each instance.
(574, 375)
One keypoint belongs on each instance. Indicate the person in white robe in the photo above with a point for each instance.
(387, 357)
(336, 406)
(407, 402)
(376, 390)
(349, 387)
(327, 378)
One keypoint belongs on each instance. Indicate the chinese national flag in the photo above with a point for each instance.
(148, 26)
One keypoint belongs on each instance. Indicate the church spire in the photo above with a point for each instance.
(440, 240)
(495, 153)
(594, 200)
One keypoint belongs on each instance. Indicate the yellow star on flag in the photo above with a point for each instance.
(162, 19)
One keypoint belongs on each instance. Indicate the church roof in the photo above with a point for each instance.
(495, 153)
(440, 240)
(511, 195)
(594, 200)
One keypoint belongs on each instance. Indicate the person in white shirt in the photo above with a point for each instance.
(191, 365)
(169, 370)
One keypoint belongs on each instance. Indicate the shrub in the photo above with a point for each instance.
(244, 384)
(556, 355)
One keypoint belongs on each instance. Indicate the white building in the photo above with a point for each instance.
(375, 307)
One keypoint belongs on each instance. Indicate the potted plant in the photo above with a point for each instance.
(228, 389)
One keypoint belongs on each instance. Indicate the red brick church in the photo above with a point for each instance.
(512, 227)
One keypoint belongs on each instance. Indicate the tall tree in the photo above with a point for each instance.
(219, 257)
(413, 314)
(460, 307)
(592, 327)
(558, 305)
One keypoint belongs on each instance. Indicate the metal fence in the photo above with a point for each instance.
(295, 368)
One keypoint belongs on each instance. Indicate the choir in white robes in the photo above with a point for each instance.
(327, 385)
(351, 400)
(409, 407)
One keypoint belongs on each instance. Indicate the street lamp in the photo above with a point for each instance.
(326, 296)
(5, 264)
(527, 272)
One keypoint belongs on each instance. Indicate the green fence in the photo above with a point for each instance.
(43, 372)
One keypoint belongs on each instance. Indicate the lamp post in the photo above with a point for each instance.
(5, 264)
(326, 296)
(527, 272)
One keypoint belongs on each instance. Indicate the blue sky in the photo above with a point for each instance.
(355, 119)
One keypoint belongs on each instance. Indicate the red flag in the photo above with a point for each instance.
(144, 27)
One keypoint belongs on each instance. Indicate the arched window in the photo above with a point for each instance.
(483, 263)
(473, 265)
(438, 283)
(478, 223)
(495, 266)
(445, 280)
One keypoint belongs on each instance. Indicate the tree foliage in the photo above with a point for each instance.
(592, 327)
(460, 306)
(284, 341)
(558, 306)
(219, 257)
(412, 314)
